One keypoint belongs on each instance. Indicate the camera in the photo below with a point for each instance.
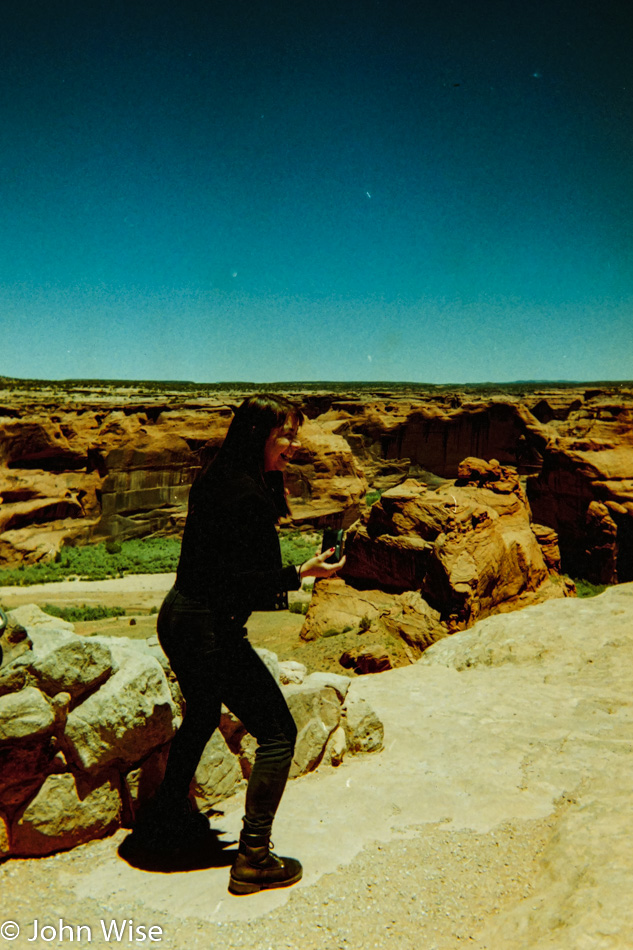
(333, 538)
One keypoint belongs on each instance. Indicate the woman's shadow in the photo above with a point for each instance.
(164, 856)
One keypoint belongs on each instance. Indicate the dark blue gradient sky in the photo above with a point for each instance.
(300, 190)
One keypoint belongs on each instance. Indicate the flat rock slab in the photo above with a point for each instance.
(481, 751)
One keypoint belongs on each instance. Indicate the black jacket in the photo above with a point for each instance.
(230, 558)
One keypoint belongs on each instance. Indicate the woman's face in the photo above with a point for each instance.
(280, 446)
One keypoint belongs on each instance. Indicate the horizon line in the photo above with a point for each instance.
(84, 380)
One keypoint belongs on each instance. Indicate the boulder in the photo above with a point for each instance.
(336, 747)
(45, 633)
(468, 550)
(218, 774)
(122, 648)
(14, 677)
(68, 810)
(414, 621)
(291, 671)
(25, 715)
(340, 684)
(478, 471)
(402, 625)
(317, 712)
(369, 659)
(14, 640)
(131, 714)
(363, 729)
(76, 667)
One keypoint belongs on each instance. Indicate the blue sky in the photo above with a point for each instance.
(265, 191)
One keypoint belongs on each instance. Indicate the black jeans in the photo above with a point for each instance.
(220, 666)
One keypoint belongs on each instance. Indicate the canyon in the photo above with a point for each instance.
(88, 462)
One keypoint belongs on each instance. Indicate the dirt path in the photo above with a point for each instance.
(136, 592)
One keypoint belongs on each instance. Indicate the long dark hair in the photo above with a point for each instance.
(243, 448)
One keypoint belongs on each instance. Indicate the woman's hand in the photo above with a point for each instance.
(318, 566)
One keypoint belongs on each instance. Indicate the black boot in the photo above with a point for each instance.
(256, 868)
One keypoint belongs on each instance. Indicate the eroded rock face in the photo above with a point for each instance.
(423, 563)
(122, 470)
(393, 629)
(468, 547)
(325, 479)
(79, 467)
(585, 488)
(85, 727)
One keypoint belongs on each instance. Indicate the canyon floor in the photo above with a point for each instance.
(138, 594)
(496, 817)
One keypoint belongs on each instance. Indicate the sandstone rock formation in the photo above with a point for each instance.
(574, 444)
(124, 470)
(436, 561)
(585, 488)
(96, 463)
(393, 629)
(85, 726)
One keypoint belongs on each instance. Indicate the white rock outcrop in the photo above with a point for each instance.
(85, 727)
(551, 688)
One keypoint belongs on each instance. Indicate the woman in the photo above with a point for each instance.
(230, 565)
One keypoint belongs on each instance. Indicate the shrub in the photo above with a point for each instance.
(372, 497)
(587, 589)
(365, 624)
(77, 614)
(92, 562)
(297, 546)
(296, 607)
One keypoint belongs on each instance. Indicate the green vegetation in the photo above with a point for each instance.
(77, 614)
(372, 497)
(297, 546)
(242, 387)
(336, 631)
(296, 607)
(96, 562)
(587, 589)
(93, 562)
